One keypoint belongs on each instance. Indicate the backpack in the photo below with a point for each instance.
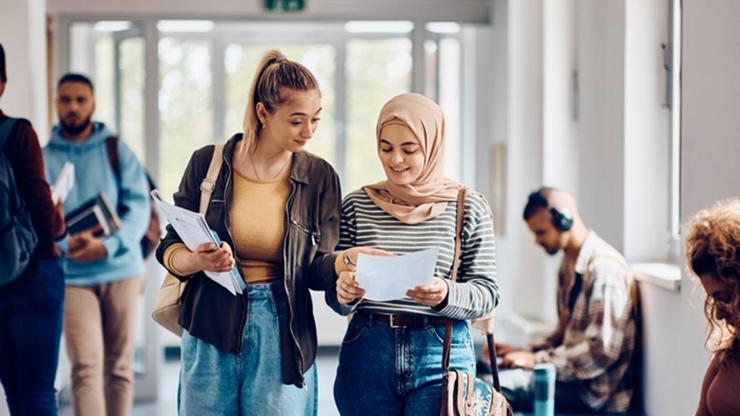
(153, 233)
(17, 235)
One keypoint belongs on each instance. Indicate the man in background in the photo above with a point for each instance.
(593, 344)
(102, 272)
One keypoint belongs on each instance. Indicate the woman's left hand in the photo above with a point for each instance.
(429, 295)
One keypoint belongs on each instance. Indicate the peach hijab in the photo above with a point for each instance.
(428, 196)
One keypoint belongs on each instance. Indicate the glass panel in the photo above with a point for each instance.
(377, 70)
(105, 99)
(185, 109)
(93, 50)
(112, 54)
(131, 67)
(450, 100)
(241, 62)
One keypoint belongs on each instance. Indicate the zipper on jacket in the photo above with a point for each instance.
(315, 236)
(285, 282)
(227, 203)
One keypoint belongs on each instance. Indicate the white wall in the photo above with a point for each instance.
(709, 171)
(491, 122)
(23, 35)
(525, 123)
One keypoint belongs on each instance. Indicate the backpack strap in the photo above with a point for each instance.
(6, 128)
(111, 147)
(209, 182)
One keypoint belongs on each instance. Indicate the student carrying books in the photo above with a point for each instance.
(102, 273)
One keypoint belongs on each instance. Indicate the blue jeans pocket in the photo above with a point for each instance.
(460, 334)
(354, 331)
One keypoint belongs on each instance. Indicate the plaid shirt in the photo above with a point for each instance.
(594, 342)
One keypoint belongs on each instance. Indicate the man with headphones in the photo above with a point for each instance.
(592, 346)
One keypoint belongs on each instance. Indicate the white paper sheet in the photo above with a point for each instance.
(389, 277)
(64, 183)
(194, 231)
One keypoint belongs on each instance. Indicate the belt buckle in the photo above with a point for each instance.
(392, 322)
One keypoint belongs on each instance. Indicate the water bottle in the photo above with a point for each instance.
(544, 390)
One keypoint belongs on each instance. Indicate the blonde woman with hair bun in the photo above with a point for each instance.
(276, 209)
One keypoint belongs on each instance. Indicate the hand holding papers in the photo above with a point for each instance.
(388, 278)
(194, 231)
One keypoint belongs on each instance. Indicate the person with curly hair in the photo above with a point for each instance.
(712, 250)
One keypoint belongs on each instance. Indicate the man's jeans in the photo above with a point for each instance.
(213, 382)
(517, 385)
(387, 371)
(30, 329)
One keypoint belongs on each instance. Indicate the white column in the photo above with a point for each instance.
(23, 35)
(600, 35)
(560, 145)
(521, 263)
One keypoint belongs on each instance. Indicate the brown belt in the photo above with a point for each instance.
(405, 321)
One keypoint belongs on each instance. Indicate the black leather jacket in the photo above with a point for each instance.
(211, 313)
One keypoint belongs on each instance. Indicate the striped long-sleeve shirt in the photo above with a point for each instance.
(474, 294)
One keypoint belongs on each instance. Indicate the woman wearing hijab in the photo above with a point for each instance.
(393, 349)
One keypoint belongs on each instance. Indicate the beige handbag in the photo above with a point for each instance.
(168, 306)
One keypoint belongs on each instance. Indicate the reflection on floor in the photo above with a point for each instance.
(166, 405)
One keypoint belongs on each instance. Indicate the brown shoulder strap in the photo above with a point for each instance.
(460, 215)
(209, 182)
(111, 147)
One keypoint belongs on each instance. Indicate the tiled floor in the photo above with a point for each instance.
(166, 405)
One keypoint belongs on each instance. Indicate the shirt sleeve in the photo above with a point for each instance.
(608, 317)
(188, 197)
(133, 193)
(476, 291)
(347, 239)
(321, 270)
(26, 159)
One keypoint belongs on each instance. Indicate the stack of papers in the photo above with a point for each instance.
(194, 231)
(389, 277)
(64, 183)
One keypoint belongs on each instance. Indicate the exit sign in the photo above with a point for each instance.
(285, 5)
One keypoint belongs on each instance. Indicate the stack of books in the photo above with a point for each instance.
(96, 214)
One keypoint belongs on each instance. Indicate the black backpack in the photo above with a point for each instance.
(17, 236)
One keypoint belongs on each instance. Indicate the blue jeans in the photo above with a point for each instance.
(213, 382)
(30, 328)
(387, 371)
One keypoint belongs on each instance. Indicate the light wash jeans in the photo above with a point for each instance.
(213, 382)
(386, 371)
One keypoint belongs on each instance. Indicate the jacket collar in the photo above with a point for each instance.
(298, 170)
(589, 247)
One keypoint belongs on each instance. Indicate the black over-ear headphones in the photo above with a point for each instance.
(562, 220)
